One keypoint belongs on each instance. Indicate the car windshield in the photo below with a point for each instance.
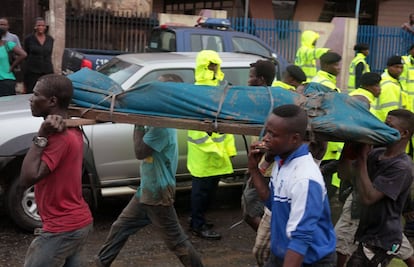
(242, 44)
(119, 70)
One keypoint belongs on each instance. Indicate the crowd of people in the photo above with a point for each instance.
(25, 63)
(286, 199)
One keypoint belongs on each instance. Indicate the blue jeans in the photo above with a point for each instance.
(57, 249)
(202, 193)
(137, 215)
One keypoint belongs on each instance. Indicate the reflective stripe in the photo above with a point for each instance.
(197, 141)
(379, 106)
(407, 79)
(390, 104)
(219, 139)
(387, 82)
(205, 138)
(307, 66)
(307, 62)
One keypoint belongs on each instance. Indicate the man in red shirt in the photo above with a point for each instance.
(54, 165)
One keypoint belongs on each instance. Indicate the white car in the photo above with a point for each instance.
(110, 166)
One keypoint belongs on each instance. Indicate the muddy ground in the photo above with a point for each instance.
(146, 248)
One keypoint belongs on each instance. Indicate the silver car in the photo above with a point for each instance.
(110, 166)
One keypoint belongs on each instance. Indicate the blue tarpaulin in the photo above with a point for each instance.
(333, 116)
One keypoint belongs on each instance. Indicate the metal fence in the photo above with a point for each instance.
(126, 31)
(282, 35)
(100, 29)
(384, 42)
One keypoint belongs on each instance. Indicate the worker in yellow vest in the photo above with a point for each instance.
(407, 77)
(307, 54)
(330, 68)
(209, 153)
(407, 83)
(358, 66)
(292, 78)
(392, 94)
(369, 90)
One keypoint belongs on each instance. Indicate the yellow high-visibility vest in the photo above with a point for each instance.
(283, 85)
(392, 97)
(209, 155)
(327, 79)
(407, 77)
(359, 58)
(307, 54)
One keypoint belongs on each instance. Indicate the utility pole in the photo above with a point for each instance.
(246, 15)
(57, 27)
(357, 7)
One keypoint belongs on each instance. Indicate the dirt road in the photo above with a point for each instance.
(146, 248)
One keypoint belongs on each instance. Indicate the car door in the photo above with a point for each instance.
(113, 151)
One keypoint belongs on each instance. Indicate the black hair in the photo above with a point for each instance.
(361, 47)
(39, 19)
(394, 60)
(59, 86)
(296, 115)
(411, 48)
(296, 73)
(2, 32)
(265, 69)
(330, 58)
(370, 78)
(407, 118)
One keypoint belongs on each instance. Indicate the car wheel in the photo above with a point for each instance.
(22, 207)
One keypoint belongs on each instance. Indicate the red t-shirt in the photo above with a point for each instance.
(59, 195)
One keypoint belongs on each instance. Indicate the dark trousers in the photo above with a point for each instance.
(359, 258)
(7, 87)
(202, 193)
(328, 168)
(136, 216)
(327, 261)
(30, 80)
